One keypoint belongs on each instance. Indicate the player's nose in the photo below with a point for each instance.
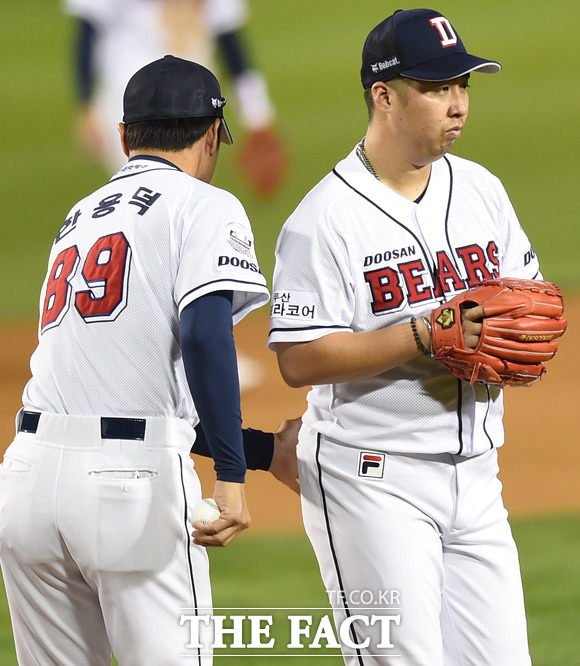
(459, 103)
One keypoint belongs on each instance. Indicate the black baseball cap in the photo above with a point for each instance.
(419, 44)
(174, 88)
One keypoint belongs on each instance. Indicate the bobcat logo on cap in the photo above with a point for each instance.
(446, 319)
(385, 64)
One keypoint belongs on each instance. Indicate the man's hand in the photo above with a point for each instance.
(501, 331)
(90, 134)
(234, 516)
(284, 465)
(471, 323)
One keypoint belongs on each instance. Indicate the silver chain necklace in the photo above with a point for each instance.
(360, 151)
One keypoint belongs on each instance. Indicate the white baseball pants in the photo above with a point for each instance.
(95, 544)
(427, 544)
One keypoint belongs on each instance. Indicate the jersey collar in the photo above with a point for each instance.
(155, 158)
(353, 172)
(142, 163)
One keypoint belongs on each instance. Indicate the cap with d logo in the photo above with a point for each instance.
(419, 44)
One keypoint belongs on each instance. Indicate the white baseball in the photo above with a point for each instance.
(205, 511)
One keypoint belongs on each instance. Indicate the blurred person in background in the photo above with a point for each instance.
(114, 39)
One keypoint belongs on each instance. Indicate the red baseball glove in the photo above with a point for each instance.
(522, 319)
(263, 162)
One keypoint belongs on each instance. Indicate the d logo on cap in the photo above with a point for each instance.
(448, 36)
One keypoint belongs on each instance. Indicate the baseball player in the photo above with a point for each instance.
(114, 39)
(145, 279)
(397, 457)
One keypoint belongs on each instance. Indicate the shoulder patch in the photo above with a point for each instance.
(240, 240)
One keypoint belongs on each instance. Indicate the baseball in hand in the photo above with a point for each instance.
(205, 511)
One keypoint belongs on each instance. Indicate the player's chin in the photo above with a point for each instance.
(442, 148)
(449, 138)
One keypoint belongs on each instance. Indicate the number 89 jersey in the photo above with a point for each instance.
(124, 264)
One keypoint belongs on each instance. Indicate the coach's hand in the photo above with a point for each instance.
(234, 516)
(284, 465)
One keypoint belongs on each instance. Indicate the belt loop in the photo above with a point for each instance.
(18, 420)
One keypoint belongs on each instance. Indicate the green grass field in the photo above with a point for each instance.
(522, 126)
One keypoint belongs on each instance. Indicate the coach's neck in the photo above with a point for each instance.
(198, 160)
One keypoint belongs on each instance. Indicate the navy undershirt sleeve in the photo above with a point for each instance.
(209, 357)
(85, 55)
(234, 53)
(258, 447)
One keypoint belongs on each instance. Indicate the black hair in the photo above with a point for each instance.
(368, 95)
(172, 135)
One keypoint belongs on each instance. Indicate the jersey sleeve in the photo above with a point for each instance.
(224, 16)
(218, 253)
(519, 259)
(98, 13)
(313, 292)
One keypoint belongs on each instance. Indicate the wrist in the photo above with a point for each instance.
(421, 328)
(258, 448)
(428, 339)
(231, 476)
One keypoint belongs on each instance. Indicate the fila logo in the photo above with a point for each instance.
(448, 36)
(371, 464)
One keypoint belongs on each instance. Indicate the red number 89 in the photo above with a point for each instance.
(105, 272)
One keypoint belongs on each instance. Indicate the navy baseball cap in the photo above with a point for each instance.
(419, 44)
(174, 88)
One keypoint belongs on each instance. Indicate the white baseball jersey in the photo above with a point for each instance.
(100, 467)
(125, 263)
(356, 256)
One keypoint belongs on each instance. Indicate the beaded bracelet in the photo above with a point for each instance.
(420, 346)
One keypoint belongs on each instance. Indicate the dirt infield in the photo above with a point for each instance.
(539, 463)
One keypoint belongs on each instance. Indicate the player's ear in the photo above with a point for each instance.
(123, 135)
(212, 137)
(382, 93)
